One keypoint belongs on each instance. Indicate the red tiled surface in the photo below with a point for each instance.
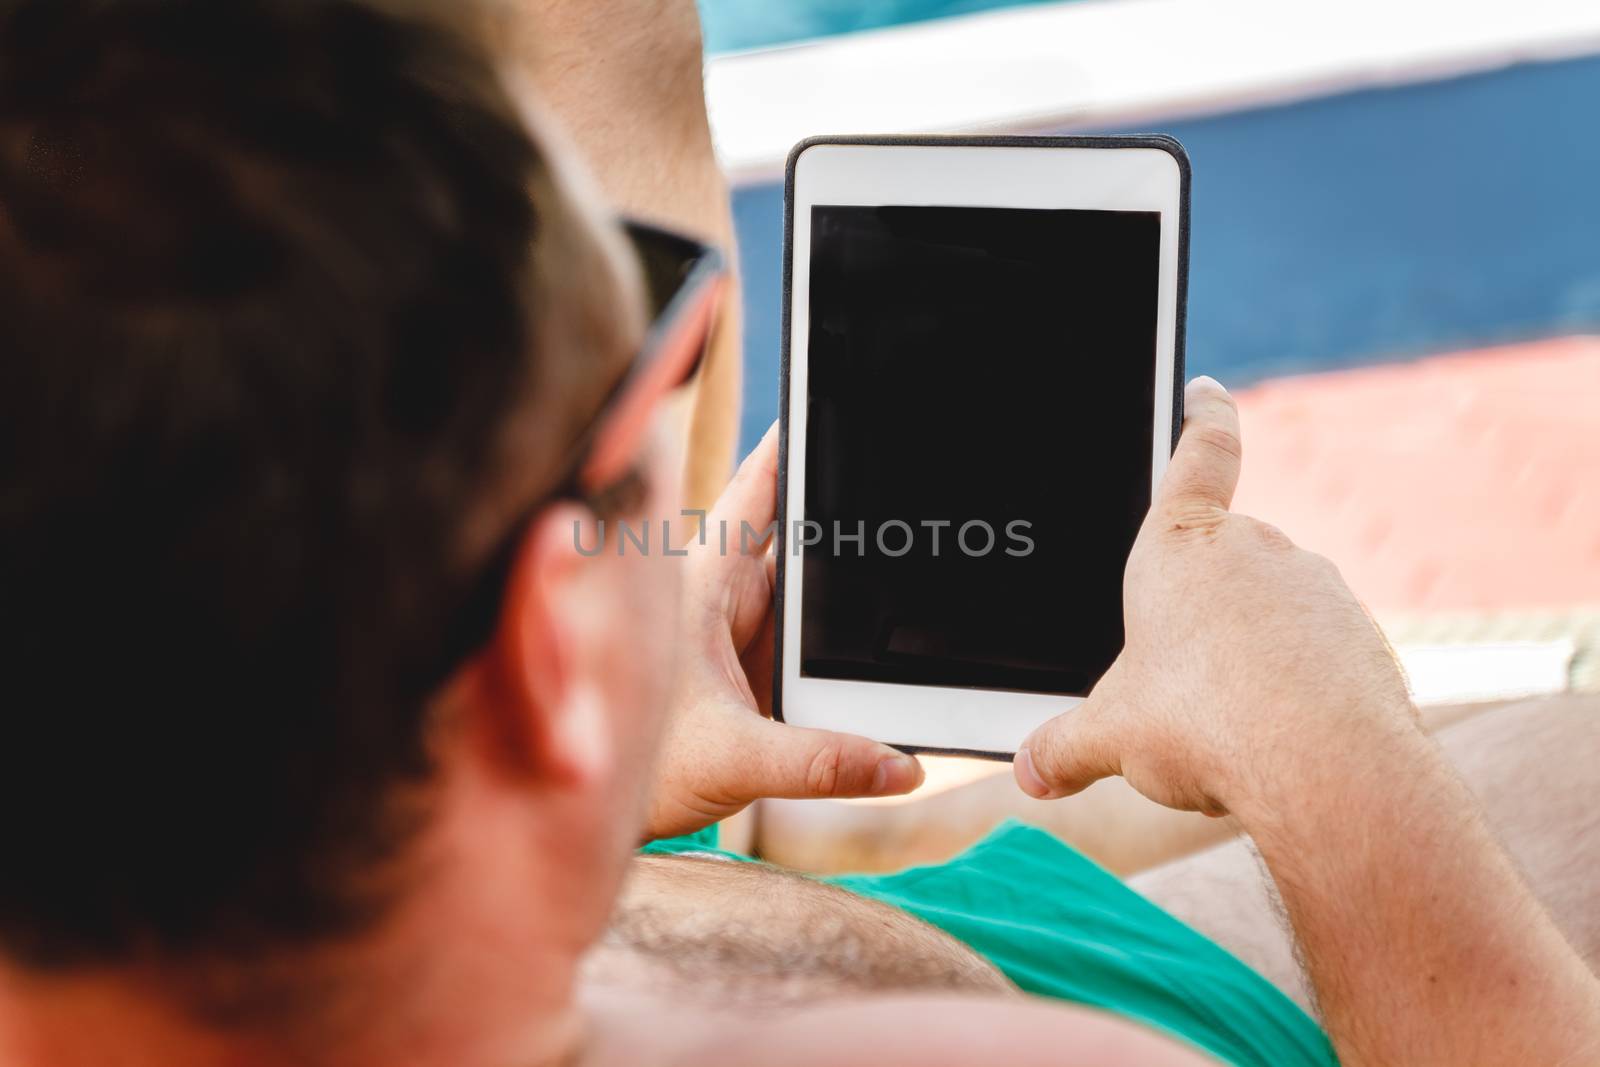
(1468, 482)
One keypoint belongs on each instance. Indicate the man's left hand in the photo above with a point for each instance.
(722, 750)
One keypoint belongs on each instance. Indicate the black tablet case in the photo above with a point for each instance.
(1160, 142)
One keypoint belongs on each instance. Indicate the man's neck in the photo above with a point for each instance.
(474, 968)
(87, 1019)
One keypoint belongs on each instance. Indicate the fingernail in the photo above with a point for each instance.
(1028, 777)
(896, 774)
(1206, 382)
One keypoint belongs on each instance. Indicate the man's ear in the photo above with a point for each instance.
(544, 708)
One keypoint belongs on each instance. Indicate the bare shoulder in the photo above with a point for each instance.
(941, 1031)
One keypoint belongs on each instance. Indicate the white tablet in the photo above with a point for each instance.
(983, 364)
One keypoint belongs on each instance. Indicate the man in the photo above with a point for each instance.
(327, 743)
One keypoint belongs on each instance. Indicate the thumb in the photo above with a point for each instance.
(748, 506)
(1073, 750)
(1205, 468)
(791, 762)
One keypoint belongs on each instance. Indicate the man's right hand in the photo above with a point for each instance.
(1253, 682)
(1247, 659)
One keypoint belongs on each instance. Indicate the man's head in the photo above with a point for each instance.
(300, 319)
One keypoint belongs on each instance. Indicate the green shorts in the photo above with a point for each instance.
(1060, 925)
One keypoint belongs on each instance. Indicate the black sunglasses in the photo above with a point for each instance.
(683, 281)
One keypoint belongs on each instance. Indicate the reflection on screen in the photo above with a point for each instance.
(978, 442)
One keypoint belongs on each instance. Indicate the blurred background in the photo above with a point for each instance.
(1395, 261)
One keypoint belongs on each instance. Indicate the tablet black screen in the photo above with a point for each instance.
(979, 411)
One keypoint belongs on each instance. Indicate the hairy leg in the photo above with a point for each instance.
(1109, 822)
(1532, 766)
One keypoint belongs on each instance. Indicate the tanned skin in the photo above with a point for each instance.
(1286, 709)
(545, 754)
(625, 81)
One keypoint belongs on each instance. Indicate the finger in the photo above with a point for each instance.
(751, 497)
(796, 763)
(757, 660)
(1065, 756)
(1205, 468)
(1072, 751)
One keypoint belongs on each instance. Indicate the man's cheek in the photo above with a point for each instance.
(665, 628)
(653, 623)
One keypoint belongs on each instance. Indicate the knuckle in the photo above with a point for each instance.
(1321, 564)
(1217, 439)
(1069, 758)
(1046, 750)
(1192, 519)
(827, 764)
(1266, 534)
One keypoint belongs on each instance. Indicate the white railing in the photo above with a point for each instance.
(1115, 62)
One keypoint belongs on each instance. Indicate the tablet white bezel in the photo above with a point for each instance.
(1122, 178)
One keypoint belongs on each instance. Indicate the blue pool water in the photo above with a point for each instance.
(1360, 228)
(734, 25)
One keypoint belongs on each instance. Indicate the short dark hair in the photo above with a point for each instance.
(277, 278)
